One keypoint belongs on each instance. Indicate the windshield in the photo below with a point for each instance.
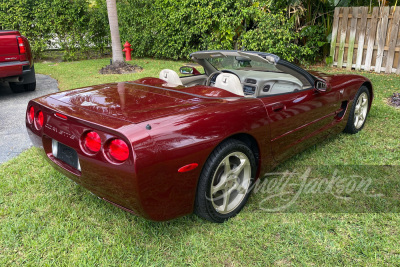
(240, 63)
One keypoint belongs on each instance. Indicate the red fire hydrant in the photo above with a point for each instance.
(127, 51)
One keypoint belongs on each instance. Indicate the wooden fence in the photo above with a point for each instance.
(366, 40)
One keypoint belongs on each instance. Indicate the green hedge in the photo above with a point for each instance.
(77, 25)
(162, 28)
(174, 29)
(274, 33)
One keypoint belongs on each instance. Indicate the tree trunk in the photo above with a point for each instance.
(115, 39)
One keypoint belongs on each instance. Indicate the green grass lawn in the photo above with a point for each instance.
(46, 219)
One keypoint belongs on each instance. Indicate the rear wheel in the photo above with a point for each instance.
(30, 87)
(18, 88)
(225, 182)
(359, 111)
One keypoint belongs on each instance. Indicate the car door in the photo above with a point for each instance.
(298, 119)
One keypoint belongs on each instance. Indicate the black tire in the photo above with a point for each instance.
(19, 88)
(236, 183)
(353, 124)
(29, 87)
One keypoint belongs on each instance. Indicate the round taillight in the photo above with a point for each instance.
(118, 150)
(39, 120)
(31, 114)
(92, 142)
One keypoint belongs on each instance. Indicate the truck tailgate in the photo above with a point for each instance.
(8, 48)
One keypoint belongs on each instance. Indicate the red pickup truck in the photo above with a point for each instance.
(16, 63)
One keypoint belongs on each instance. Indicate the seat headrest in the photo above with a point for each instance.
(171, 77)
(229, 82)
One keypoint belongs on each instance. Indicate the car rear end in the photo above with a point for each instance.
(98, 157)
(16, 62)
(128, 143)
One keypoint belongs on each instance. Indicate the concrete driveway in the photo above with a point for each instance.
(13, 136)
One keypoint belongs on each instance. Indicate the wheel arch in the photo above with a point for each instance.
(368, 84)
(251, 142)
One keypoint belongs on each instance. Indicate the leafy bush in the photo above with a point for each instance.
(162, 28)
(274, 33)
(25, 16)
(174, 29)
(71, 24)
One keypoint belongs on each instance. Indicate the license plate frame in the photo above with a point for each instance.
(65, 154)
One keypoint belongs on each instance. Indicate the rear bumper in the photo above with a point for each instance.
(114, 182)
(110, 184)
(21, 74)
(28, 75)
(14, 68)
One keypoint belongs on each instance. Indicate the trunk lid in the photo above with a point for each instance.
(131, 102)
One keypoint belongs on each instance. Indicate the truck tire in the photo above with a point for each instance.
(29, 87)
(19, 88)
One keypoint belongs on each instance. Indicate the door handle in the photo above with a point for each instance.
(278, 107)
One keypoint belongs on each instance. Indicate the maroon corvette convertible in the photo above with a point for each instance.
(165, 147)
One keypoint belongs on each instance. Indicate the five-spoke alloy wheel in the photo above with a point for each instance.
(359, 111)
(231, 182)
(225, 183)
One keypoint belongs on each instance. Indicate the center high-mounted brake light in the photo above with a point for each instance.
(21, 45)
(92, 142)
(61, 116)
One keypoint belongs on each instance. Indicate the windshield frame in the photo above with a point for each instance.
(267, 58)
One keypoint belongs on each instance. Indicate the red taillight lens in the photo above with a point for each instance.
(31, 114)
(39, 120)
(92, 142)
(21, 45)
(118, 149)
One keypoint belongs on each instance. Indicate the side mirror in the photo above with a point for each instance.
(321, 86)
(186, 70)
(189, 70)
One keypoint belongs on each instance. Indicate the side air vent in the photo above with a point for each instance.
(266, 88)
(252, 81)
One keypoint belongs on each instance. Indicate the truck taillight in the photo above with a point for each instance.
(21, 45)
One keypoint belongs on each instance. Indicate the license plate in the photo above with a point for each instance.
(65, 154)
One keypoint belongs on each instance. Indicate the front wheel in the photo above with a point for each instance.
(359, 111)
(225, 182)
